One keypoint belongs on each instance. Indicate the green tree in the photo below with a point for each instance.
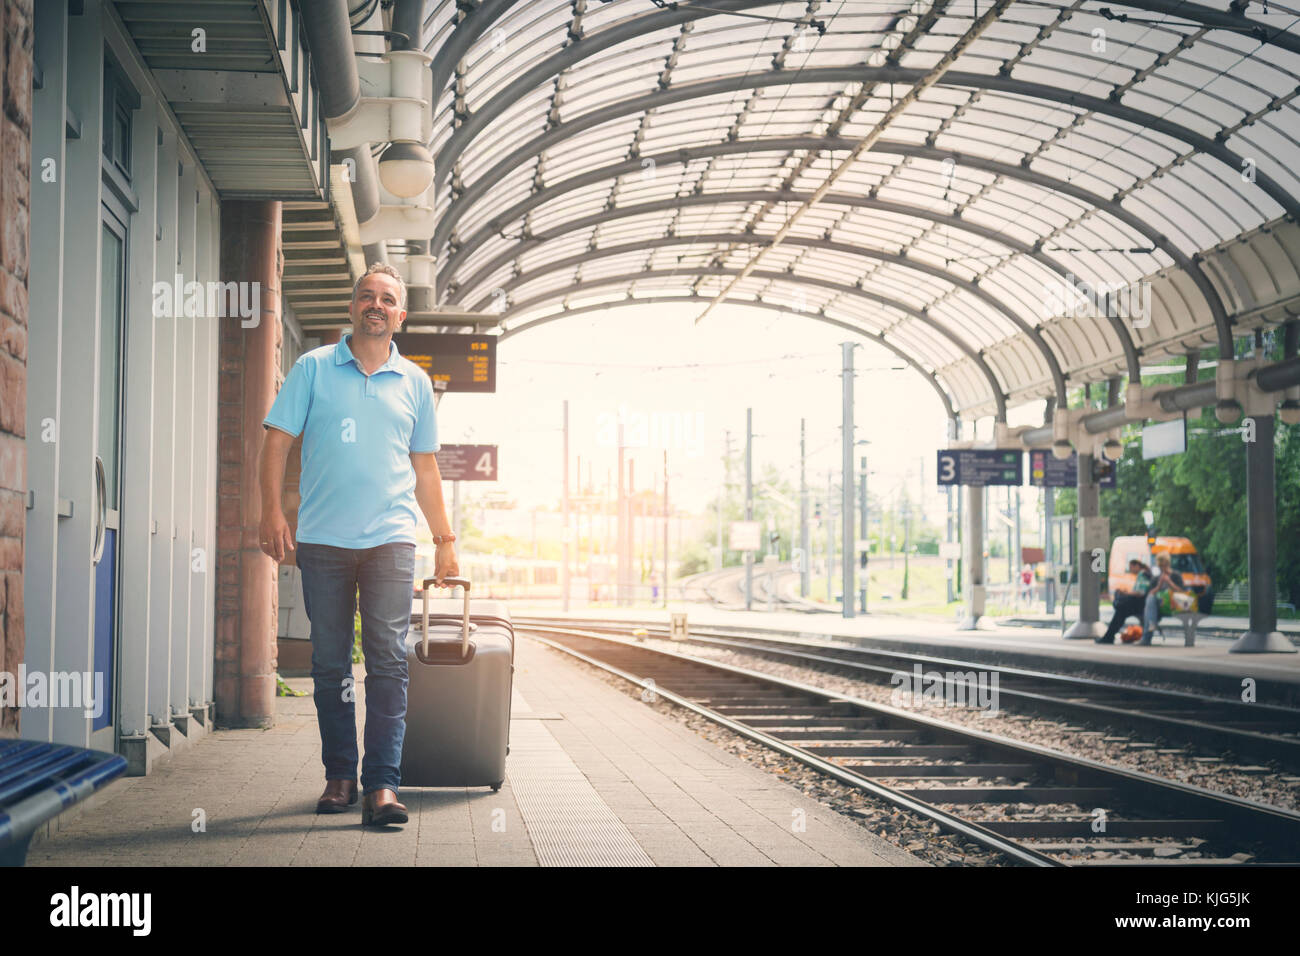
(1201, 495)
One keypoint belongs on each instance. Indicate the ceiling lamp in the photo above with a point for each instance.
(406, 170)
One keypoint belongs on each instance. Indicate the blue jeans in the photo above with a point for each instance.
(1151, 615)
(331, 578)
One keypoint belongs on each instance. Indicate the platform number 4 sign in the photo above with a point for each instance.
(468, 462)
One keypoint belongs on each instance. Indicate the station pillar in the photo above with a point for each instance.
(1092, 537)
(1049, 554)
(1261, 546)
(974, 547)
(247, 579)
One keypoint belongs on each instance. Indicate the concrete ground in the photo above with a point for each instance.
(594, 777)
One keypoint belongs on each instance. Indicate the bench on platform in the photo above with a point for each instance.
(1189, 620)
(38, 781)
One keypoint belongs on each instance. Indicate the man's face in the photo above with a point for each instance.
(1134, 567)
(376, 311)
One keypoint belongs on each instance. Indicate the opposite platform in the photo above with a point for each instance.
(1207, 665)
(594, 777)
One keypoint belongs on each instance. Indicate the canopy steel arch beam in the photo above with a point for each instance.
(480, 20)
(1054, 368)
(459, 141)
(741, 146)
(739, 196)
(1130, 351)
(931, 377)
(1219, 19)
(545, 70)
(995, 387)
(779, 144)
(864, 144)
(1007, 170)
(466, 34)
(1098, 104)
(1185, 262)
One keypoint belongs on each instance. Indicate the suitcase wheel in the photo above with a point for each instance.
(497, 786)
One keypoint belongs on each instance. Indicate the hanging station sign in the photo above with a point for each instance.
(980, 467)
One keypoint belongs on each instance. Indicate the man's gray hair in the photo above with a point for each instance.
(386, 269)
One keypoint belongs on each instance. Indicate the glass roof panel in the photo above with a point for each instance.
(1218, 84)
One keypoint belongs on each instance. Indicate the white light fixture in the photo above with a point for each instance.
(1227, 411)
(406, 170)
(1113, 449)
(1061, 449)
(1289, 412)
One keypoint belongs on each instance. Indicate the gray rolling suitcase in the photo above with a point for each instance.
(460, 663)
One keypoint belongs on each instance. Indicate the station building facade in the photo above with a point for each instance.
(158, 168)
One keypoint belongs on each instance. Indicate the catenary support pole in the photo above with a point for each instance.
(722, 497)
(846, 480)
(630, 524)
(962, 498)
(947, 537)
(1049, 550)
(749, 503)
(1017, 555)
(667, 512)
(974, 551)
(1261, 546)
(804, 554)
(1091, 534)
(862, 530)
(620, 576)
(830, 537)
(565, 534)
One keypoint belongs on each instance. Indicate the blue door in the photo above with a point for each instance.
(107, 457)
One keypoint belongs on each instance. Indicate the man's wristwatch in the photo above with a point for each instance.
(447, 538)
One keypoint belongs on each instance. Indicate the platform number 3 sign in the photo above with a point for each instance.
(947, 469)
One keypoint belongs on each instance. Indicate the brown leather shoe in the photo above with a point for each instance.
(380, 808)
(338, 796)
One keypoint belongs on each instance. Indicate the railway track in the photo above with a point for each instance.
(725, 589)
(1255, 730)
(1035, 805)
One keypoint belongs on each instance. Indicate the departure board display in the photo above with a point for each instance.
(467, 363)
(1048, 471)
(980, 466)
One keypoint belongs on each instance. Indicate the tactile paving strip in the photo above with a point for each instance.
(568, 821)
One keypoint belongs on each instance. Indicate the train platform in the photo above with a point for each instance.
(594, 777)
(1206, 665)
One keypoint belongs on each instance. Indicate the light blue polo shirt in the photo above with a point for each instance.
(358, 431)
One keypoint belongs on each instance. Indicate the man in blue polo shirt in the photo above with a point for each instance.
(366, 416)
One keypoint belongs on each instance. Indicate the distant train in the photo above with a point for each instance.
(506, 578)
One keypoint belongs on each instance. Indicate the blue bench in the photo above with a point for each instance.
(38, 781)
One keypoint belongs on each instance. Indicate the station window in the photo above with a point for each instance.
(120, 99)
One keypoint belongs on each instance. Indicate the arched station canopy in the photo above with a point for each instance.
(937, 176)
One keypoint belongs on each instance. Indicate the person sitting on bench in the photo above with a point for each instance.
(1128, 603)
(1166, 580)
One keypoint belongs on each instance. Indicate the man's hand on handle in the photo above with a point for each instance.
(445, 564)
(274, 534)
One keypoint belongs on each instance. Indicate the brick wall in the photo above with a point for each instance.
(15, 189)
(247, 580)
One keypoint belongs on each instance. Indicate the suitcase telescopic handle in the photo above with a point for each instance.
(464, 622)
